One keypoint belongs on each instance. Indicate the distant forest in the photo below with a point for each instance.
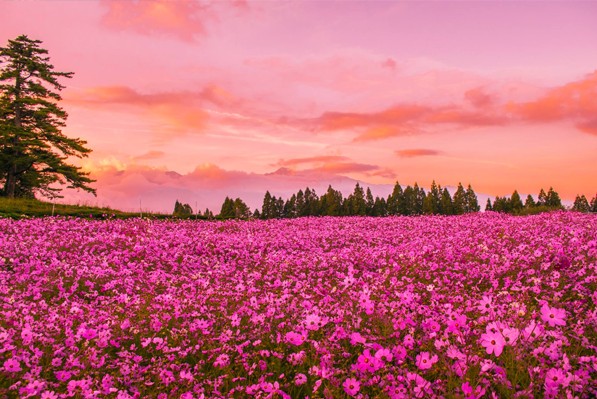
(408, 201)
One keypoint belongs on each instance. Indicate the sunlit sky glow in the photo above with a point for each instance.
(195, 100)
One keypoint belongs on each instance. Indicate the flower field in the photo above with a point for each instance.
(474, 306)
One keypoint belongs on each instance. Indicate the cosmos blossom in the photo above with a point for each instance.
(351, 386)
(171, 309)
(553, 316)
(425, 361)
(493, 343)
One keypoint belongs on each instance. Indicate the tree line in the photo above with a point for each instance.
(546, 201)
(408, 201)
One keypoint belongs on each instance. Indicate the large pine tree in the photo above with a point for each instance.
(33, 149)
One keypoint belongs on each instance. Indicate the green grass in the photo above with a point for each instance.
(18, 208)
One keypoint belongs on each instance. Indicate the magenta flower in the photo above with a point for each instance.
(300, 379)
(554, 378)
(89, 333)
(493, 343)
(222, 361)
(351, 386)
(553, 316)
(12, 365)
(425, 361)
(485, 305)
(294, 338)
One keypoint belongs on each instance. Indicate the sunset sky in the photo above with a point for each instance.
(194, 100)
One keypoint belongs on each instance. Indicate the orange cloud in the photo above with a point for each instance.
(416, 152)
(478, 97)
(184, 20)
(181, 110)
(345, 167)
(573, 101)
(311, 160)
(384, 132)
(149, 155)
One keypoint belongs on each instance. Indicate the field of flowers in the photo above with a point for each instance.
(472, 306)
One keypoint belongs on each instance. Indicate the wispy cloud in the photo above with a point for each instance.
(417, 152)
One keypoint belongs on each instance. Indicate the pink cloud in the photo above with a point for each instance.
(478, 97)
(312, 160)
(182, 111)
(149, 155)
(184, 20)
(417, 152)
(130, 187)
(576, 101)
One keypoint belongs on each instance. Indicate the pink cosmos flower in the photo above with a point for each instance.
(351, 386)
(222, 361)
(384, 354)
(555, 377)
(532, 331)
(62, 375)
(12, 365)
(312, 322)
(294, 338)
(89, 333)
(366, 362)
(300, 379)
(356, 338)
(49, 395)
(553, 316)
(510, 335)
(424, 361)
(493, 343)
(485, 305)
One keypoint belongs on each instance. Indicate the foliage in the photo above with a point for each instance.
(33, 149)
(182, 210)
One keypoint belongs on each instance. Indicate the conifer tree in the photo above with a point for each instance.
(369, 203)
(241, 210)
(447, 207)
(227, 210)
(419, 199)
(380, 207)
(594, 204)
(33, 149)
(488, 206)
(459, 202)
(529, 202)
(409, 201)
(515, 202)
(542, 198)
(267, 207)
(581, 204)
(552, 199)
(472, 204)
(331, 202)
(395, 203)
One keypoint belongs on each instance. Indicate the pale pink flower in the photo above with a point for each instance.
(553, 316)
(493, 343)
(485, 305)
(510, 335)
(300, 379)
(425, 361)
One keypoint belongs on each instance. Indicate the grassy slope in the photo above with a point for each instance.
(18, 208)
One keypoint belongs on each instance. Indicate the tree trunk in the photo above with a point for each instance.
(11, 178)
